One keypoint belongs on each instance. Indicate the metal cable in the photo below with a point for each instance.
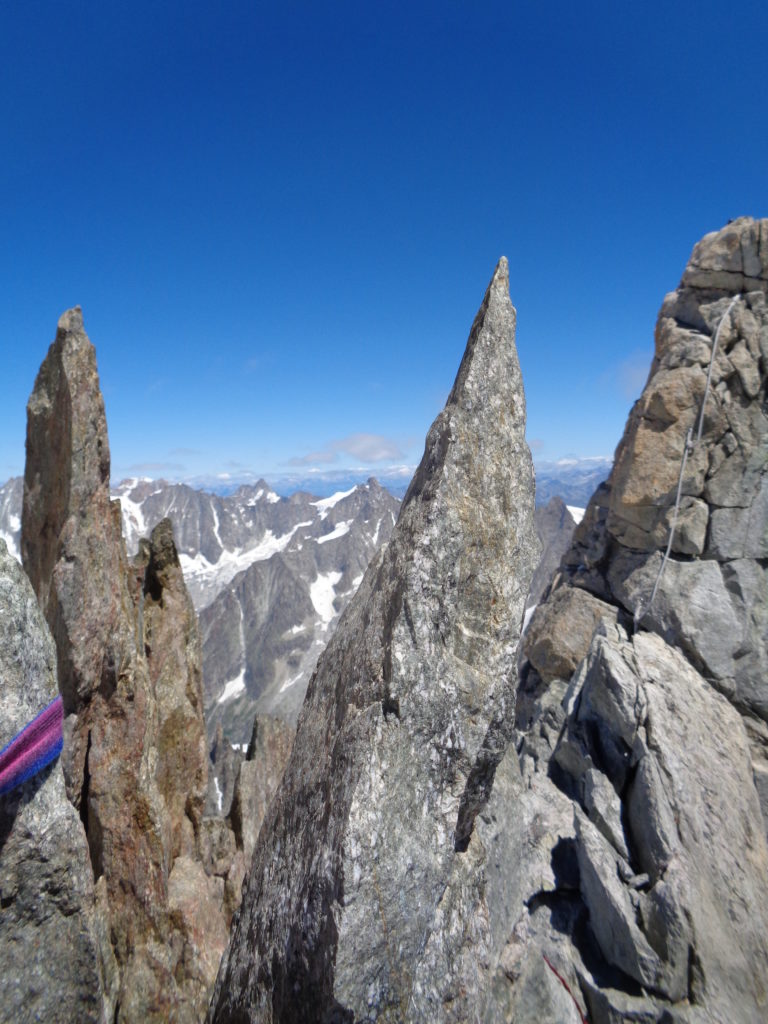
(688, 447)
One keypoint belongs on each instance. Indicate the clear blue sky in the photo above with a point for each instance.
(280, 219)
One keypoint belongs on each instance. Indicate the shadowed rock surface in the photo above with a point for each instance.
(554, 528)
(135, 758)
(398, 735)
(51, 939)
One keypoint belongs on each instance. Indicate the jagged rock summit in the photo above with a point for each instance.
(128, 657)
(643, 875)
(345, 904)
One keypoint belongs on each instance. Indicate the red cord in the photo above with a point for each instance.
(566, 986)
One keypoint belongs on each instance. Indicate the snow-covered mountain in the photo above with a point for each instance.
(268, 576)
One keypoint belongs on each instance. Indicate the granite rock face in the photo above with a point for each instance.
(554, 527)
(241, 787)
(633, 846)
(642, 752)
(712, 600)
(51, 965)
(135, 758)
(344, 902)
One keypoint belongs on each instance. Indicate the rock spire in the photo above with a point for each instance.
(128, 656)
(402, 724)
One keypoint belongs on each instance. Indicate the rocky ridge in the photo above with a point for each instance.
(642, 747)
(607, 860)
(128, 662)
(345, 905)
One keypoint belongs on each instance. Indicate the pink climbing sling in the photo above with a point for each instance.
(33, 748)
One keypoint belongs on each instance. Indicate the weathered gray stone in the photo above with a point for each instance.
(602, 804)
(650, 750)
(690, 528)
(259, 778)
(689, 597)
(554, 527)
(741, 532)
(611, 914)
(691, 813)
(747, 582)
(732, 259)
(560, 631)
(399, 733)
(50, 946)
(611, 863)
(746, 367)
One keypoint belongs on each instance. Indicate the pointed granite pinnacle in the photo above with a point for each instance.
(396, 741)
(70, 321)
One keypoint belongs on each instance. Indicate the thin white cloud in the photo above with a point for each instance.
(628, 377)
(156, 467)
(364, 447)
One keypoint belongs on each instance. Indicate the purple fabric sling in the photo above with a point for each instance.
(33, 748)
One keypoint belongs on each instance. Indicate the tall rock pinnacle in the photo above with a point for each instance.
(402, 725)
(128, 658)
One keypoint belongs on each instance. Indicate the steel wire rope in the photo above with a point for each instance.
(688, 447)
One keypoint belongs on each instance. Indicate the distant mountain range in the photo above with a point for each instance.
(572, 479)
(270, 575)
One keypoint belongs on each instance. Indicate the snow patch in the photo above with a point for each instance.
(577, 514)
(216, 533)
(376, 534)
(290, 682)
(338, 531)
(11, 542)
(527, 617)
(272, 497)
(219, 794)
(322, 593)
(134, 525)
(233, 688)
(325, 504)
(202, 572)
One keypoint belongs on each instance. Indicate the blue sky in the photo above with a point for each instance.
(280, 219)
